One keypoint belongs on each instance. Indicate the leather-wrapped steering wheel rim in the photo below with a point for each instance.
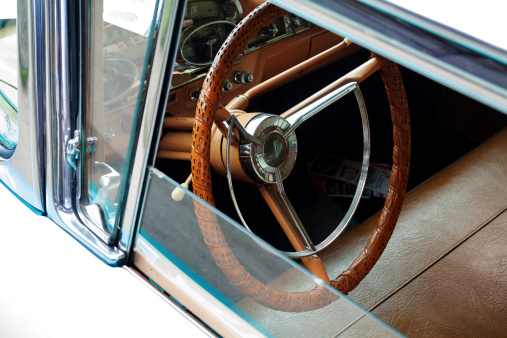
(208, 104)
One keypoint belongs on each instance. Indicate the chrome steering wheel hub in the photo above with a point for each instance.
(277, 149)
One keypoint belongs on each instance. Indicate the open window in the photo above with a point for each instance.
(178, 236)
(191, 250)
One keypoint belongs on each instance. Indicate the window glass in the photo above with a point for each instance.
(8, 79)
(120, 34)
(171, 235)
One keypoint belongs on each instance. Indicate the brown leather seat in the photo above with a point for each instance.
(463, 294)
(416, 287)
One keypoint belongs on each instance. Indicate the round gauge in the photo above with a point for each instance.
(119, 76)
(202, 43)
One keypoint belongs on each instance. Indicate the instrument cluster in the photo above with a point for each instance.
(206, 26)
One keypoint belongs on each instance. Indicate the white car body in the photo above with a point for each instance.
(53, 287)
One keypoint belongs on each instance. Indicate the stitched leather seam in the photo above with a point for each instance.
(390, 216)
(201, 121)
(401, 130)
(401, 150)
(393, 90)
(211, 112)
(397, 192)
(399, 170)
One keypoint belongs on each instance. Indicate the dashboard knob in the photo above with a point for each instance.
(194, 94)
(227, 86)
(236, 77)
(246, 77)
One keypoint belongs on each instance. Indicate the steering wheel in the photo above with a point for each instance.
(273, 140)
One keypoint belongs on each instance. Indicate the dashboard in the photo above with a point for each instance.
(206, 26)
(283, 43)
(280, 45)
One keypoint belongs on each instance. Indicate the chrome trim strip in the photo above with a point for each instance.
(93, 26)
(462, 70)
(58, 131)
(65, 131)
(233, 123)
(168, 26)
(298, 225)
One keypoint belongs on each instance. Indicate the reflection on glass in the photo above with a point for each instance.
(8, 123)
(119, 42)
(8, 80)
(200, 46)
(171, 234)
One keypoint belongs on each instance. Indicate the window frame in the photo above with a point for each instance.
(65, 93)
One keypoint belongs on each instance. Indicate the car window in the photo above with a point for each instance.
(8, 80)
(171, 238)
(120, 35)
(226, 276)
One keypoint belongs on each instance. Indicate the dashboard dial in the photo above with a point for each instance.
(203, 41)
(119, 76)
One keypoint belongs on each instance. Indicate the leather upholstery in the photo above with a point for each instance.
(464, 294)
(435, 216)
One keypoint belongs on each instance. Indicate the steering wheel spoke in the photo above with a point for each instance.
(241, 134)
(279, 203)
(277, 200)
(313, 108)
(357, 76)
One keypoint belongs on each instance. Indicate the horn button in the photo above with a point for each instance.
(275, 149)
(277, 152)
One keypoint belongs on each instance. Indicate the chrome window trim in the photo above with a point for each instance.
(93, 27)
(22, 173)
(459, 69)
(152, 118)
(59, 130)
(59, 192)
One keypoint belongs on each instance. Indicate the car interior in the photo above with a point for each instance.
(444, 269)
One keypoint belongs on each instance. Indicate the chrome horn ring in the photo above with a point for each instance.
(268, 166)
